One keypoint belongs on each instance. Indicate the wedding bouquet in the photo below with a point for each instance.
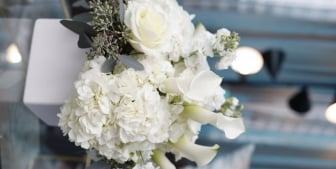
(146, 87)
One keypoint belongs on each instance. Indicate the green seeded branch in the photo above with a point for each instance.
(229, 108)
(111, 37)
(231, 42)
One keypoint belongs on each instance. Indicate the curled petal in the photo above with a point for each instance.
(202, 155)
(193, 88)
(204, 80)
(174, 85)
(160, 158)
(232, 127)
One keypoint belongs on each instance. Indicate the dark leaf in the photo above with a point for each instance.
(84, 31)
(83, 17)
(108, 65)
(99, 165)
(81, 3)
(131, 62)
(84, 41)
(78, 27)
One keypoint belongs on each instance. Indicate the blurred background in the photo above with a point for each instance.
(286, 87)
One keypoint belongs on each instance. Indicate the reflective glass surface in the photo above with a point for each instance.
(26, 142)
(283, 139)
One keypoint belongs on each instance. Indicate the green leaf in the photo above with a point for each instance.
(78, 27)
(131, 62)
(83, 17)
(84, 41)
(81, 3)
(84, 31)
(108, 65)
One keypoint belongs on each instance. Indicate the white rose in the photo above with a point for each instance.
(149, 25)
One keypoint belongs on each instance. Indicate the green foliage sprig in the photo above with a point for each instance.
(231, 108)
(115, 165)
(232, 41)
(111, 37)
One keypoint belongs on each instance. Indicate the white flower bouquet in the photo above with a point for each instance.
(147, 88)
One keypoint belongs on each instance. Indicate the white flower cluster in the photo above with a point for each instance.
(137, 116)
(117, 114)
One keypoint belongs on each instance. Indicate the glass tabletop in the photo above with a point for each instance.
(26, 142)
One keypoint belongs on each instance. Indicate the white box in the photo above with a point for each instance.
(54, 64)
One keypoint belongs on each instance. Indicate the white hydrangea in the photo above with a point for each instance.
(136, 117)
(118, 115)
(158, 70)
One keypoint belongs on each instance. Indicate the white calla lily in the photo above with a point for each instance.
(232, 127)
(202, 155)
(160, 158)
(193, 88)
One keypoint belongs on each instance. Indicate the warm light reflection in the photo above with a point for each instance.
(249, 61)
(13, 55)
(330, 113)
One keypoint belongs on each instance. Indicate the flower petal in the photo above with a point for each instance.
(199, 114)
(174, 85)
(199, 29)
(160, 158)
(204, 80)
(170, 86)
(202, 155)
(232, 127)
